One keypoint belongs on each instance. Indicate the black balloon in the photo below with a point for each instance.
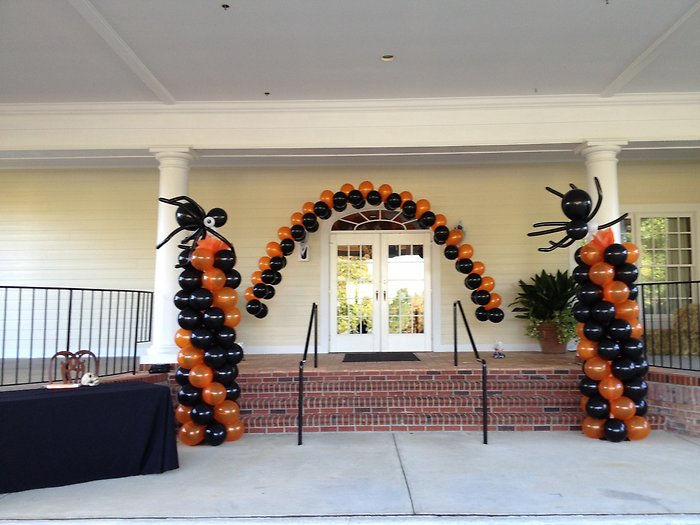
(496, 315)
(614, 430)
(464, 265)
(590, 293)
(201, 337)
(451, 252)
(634, 292)
(278, 263)
(268, 277)
(603, 312)
(189, 319)
(186, 215)
(276, 278)
(627, 273)
(588, 387)
(215, 434)
(262, 312)
(440, 234)
(356, 199)
(393, 201)
(190, 279)
(636, 389)
(312, 228)
(641, 367)
(189, 396)
(226, 374)
(233, 279)
(298, 232)
(427, 219)
(322, 210)
(608, 349)
(215, 356)
(577, 229)
(624, 368)
(259, 291)
(615, 254)
(233, 391)
(269, 292)
(577, 256)
(225, 260)
(213, 318)
(182, 376)
(597, 407)
(253, 306)
(218, 215)
(576, 204)
(641, 407)
(593, 331)
(183, 260)
(309, 221)
(287, 246)
(472, 281)
(580, 274)
(481, 297)
(374, 198)
(201, 299)
(181, 299)
(340, 201)
(202, 414)
(234, 354)
(409, 210)
(620, 330)
(226, 337)
(581, 312)
(633, 348)
(481, 314)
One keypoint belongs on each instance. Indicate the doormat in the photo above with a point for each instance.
(376, 357)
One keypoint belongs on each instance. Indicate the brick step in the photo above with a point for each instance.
(415, 403)
(419, 422)
(429, 387)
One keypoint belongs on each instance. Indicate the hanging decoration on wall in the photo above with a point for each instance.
(264, 280)
(609, 329)
(209, 355)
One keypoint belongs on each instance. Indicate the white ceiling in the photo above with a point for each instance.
(171, 52)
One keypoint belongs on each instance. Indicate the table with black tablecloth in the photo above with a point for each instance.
(53, 437)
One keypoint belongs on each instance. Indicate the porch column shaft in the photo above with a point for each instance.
(174, 165)
(601, 163)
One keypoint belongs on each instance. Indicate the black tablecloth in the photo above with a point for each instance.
(58, 437)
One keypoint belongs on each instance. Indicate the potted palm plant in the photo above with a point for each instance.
(545, 302)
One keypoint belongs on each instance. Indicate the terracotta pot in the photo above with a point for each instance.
(549, 342)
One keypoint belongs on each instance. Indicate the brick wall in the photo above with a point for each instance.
(676, 395)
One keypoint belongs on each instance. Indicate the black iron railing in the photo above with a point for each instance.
(37, 322)
(670, 314)
(484, 369)
(313, 323)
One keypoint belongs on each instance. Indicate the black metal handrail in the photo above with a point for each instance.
(484, 368)
(37, 322)
(313, 323)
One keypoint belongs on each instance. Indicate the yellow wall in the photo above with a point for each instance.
(95, 228)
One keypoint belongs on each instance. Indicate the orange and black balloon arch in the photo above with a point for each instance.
(264, 280)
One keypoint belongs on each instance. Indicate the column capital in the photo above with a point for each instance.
(600, 148)
(174, 153)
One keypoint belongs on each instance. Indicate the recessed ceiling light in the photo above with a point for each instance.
(388, 58)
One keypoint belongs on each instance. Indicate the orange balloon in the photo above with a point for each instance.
(273, 249)
(582, 403)
(622, 408)
(478, 267)
(487, 283)
(226, 298)
(632, 252)
(256, 277)
(586, 349)
(182, 337)
(235, 431)
(214, 393)
(627, 310)
(406, 196)
(365, 187)
(615, 292)
(248, 295)
(213, 244)
(611, 388)
(191, 434)
(264, 263)
(296, 218)
(308, 207)
(596, 368)
(591, 254)
(422, 206)
(440, 220)
(227, 412)
(637, 329)
(202, 259)
(201, 375)
(213, 279)
(385, 190)
(637, 428)
(593, 428)
(182, 414)
(327, 197)
(601, 273)
(347, 188)
(189, 357)
(232, 317)
(603, 238)
(455, 237)
(494, 302)
(285, 232)
(465, 251)
(579, 330)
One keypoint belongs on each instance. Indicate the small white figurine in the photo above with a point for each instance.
(498, 351)
(89, 379)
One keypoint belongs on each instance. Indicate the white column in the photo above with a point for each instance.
(601, 163)
(174, 170)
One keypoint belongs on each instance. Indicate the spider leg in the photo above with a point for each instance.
(178, 201)
(220, 237)
(547, 232)
(608, 224)
(172, 234)
(600, 199)
(573, 186)
(565, 244)
(555, 192)
(559, 244)
(551, 223)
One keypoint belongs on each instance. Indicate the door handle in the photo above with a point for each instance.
(385, 295)
(376, 295)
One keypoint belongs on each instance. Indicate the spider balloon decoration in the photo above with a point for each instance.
(576, 205)
(190, 216)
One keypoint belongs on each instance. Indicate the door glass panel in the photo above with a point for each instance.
(355, 267)
(406, 289)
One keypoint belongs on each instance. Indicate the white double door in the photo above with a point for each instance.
(380, 293)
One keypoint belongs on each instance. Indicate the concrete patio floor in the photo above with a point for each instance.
(429, 477)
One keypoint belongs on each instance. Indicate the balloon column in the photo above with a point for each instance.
(208, 317)
(613, 385)
(306, 221)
